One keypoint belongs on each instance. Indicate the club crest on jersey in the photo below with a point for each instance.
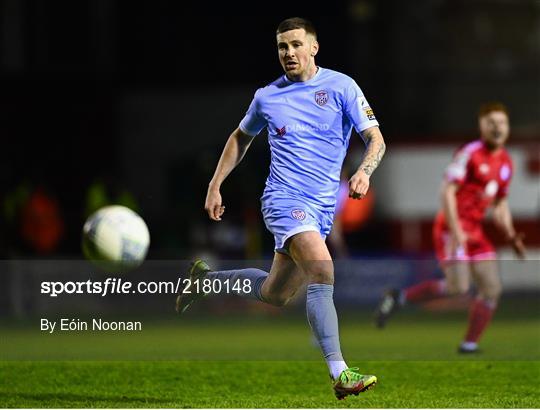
(504, 173)
(321, 97)
(298, 214)
(491, 188)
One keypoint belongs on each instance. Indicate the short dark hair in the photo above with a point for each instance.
(488, 107)
(294, 23)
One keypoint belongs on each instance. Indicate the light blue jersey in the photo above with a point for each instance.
(309, 126)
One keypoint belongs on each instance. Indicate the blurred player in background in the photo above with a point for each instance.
(309, 113)
(350, 216)
(477, 178)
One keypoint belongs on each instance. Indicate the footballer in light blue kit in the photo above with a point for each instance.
(309, 113)
(309, 126)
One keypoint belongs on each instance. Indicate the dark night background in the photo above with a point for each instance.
(144, 95)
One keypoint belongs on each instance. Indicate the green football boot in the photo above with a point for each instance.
(185, 299)
(350, 381)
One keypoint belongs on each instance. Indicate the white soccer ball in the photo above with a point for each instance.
(115, 238)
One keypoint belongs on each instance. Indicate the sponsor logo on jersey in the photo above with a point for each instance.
(484, 168)
(491, 188)
(303, 127)
(298, 214)
(504, 173)
(369, 113)
(321, 97)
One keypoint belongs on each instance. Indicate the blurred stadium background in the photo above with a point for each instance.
(131, 102)
(115, 102)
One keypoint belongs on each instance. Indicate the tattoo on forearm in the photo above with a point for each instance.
(374, 153)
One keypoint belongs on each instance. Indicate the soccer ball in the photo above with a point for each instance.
(115, 238)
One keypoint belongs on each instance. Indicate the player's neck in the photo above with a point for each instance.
(493, 149)
(306, 76)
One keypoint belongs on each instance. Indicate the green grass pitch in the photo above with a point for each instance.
(268, 364)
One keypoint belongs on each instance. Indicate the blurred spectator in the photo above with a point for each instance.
(42, 226)
(33, 220)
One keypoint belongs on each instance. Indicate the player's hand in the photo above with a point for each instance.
(213, 204)
(517, 244)
(358, 185)
(459, 241)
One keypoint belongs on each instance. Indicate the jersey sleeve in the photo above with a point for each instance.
(506, 173)
(357, 108)
(253, 122)
(457, 170)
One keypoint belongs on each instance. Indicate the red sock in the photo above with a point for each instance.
(480, 314)
(424, 291)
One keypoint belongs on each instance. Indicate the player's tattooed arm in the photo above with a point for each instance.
(359, 182)
(374, 151)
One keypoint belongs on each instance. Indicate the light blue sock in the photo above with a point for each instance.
(242, 282)
(322, 318)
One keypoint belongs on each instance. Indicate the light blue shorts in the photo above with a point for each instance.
(285, 217)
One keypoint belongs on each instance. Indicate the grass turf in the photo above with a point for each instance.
(265, 384)
(269, 364)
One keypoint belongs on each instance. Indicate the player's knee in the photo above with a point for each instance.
(322, 272)
(491, 293)
(457, 289)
